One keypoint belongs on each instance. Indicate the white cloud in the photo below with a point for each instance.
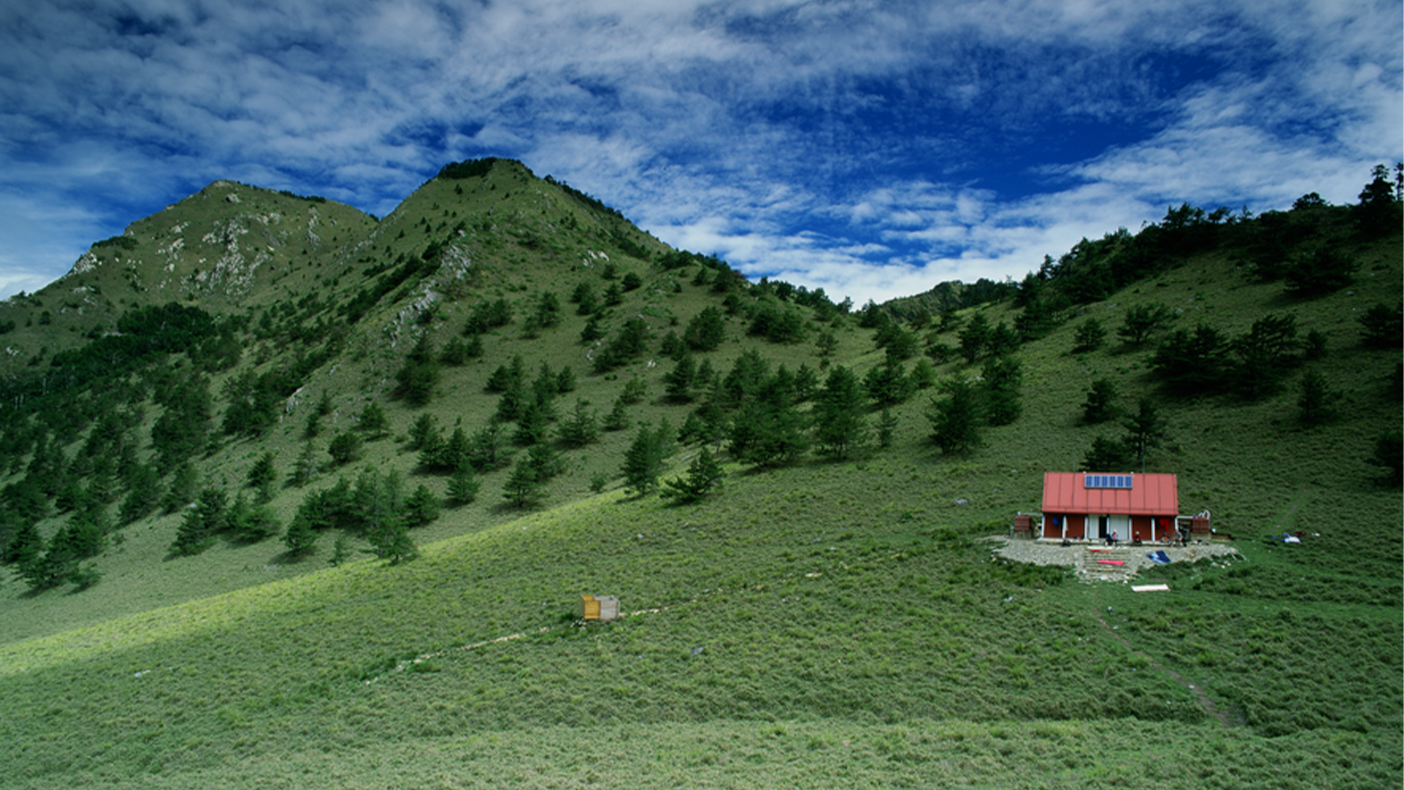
(847, 144)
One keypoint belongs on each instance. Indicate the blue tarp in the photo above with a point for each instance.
(1159, 557)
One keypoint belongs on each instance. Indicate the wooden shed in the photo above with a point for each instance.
(1096, 505)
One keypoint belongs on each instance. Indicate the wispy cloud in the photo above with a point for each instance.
(869, 148)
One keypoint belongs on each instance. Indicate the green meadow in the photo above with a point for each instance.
(818, 623)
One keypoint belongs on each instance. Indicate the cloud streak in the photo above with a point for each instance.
(872, 149)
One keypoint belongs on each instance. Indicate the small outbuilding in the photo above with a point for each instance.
(1094, 505)
(599, 607)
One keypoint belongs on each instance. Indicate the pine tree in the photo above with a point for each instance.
(422, 431)
(1089, 336)
(1145, 430)
(678, 382)
(534, 422)
(643, 461)
(1108, 455)
(419, 374)
(522, 488)
(1191, 363)
(463, 487)
(251, 522)
(974, 337)
(1142, 321)
(706, 331)
(592, 330)
(25, 546)
(703, 476)
(448, 456)
(381, 505)
(344, 448)
(1382, 327)
(1265, 354)
(887, 428)
(262, 475)
(840, 427)
(1389, 453)
(887, 384)
(373, 420)
(1100, 405)
(565, 380)
(185, 486)
(487, 449)
(143, 494)
(306, 467)
(422, 507)
(1316, 404)
(618, 417)
(582, 427)
(548, 310)
(201, 522)
(301, 537)
(1003, 376)
(769, 431)
(955, 421)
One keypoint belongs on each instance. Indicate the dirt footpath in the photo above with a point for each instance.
(1084, 557)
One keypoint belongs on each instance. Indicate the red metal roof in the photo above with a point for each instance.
(1149, 495)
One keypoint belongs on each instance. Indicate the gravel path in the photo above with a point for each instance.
(1084, 556)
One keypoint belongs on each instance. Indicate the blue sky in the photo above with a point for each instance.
(872, 149)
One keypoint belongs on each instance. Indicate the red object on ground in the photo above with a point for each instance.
(1111, 562)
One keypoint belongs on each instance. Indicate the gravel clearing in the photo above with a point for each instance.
(1084, 556)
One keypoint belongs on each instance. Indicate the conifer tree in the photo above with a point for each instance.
(1389, 453)
(523, 488)
(306, 467)
(421, 507)
(381, 505)
(955, 419)
(487, 449)
(703, 476)
(344, 448)
(1100, 405)
(643, 461)
(1316, 404)
(618, 417)
(1108, 455)
(25, 545)
(888, 384)
(262, 476)
(1142, 321)
(185, 486)
(887, 428)
(974, 337)
(678, 382)
(1089, 336)
(840, 427)
(706, 331)
(463, 487)
(251, 522)
(582, 427)
(1145, 430)
(201, 522)
(533, 423)
(373, 420)
(1003, 376)
(143, 494)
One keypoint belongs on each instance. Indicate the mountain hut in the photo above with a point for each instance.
(1093, 505)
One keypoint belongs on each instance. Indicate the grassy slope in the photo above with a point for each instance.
(853, 631)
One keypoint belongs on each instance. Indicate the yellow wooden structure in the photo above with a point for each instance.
(602, 607)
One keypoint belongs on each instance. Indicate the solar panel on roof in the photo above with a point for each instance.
(1107, 481)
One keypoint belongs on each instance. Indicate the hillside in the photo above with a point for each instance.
(831, 616)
